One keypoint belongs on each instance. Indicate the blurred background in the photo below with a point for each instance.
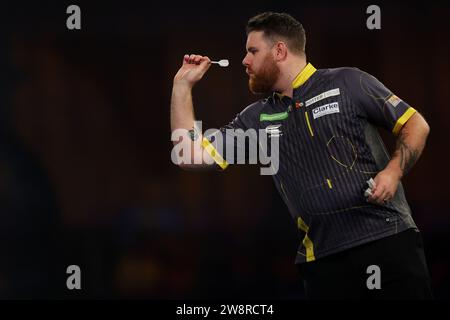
(86, 176)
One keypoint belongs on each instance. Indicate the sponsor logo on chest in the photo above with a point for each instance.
(326, 109)
(330, 93)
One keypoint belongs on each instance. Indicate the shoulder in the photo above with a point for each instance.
(350, 77)
(344, 73)
(256, 106)
(253, 110)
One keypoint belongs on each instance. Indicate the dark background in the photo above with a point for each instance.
(85, 171)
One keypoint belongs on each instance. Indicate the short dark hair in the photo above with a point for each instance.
(279, 25)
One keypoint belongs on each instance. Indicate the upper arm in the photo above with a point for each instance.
(416, 123)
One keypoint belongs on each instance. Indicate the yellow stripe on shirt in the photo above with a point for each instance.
(402, 120)
(309, 246)
(304, 75)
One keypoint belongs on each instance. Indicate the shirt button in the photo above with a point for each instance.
(387, 219)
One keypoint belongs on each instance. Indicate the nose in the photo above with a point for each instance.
(245, 61)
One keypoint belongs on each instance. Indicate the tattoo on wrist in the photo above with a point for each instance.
(408, 155)
(193, 134)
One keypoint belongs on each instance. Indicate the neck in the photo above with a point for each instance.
(288, 73)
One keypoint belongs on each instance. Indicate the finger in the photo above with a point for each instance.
(376, 192)
(387, 197)
(191, 58)
(197, 59)
(376, 195)
(373, 200)
(383, 198)
(390, 196)
(205, 62)
(373, 190)
(377, 201)
(206, 59)
(186, 59)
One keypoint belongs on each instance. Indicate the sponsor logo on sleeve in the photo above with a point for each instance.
(394, 100)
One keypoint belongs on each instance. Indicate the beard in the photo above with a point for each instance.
(264, 81)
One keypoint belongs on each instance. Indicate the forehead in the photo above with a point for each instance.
(256, 39)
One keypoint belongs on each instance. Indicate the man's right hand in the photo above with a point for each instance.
(192, 70)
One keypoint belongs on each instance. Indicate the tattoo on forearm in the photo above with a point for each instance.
(408, 155)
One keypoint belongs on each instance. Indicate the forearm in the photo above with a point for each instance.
(410, 144)
(181, 109)
(184, 132)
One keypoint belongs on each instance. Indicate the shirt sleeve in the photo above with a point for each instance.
(236, 142)
(379, 105)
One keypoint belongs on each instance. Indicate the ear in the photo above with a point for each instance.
(281, 51)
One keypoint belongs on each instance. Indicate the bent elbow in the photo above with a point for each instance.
(192, 164)
(422, 125)
(185, 166)
(427, 128)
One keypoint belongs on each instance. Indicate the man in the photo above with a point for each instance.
(359, 239)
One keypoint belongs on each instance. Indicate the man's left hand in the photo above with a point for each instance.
(386, 184)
